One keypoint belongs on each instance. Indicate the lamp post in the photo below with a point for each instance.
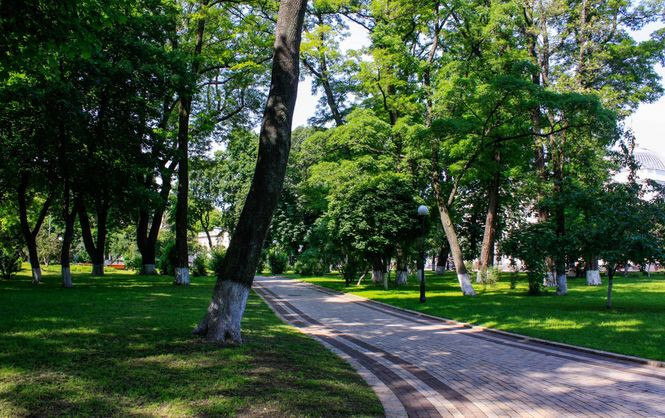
(422, 214)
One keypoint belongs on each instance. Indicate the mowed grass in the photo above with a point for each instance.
(122, 345)
(635, 326)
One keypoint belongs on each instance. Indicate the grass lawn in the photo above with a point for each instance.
(121, 345)
(636, 325)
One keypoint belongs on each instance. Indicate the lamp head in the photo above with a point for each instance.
(422, 210)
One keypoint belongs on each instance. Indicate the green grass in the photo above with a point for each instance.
(636, 325)
(122, 345)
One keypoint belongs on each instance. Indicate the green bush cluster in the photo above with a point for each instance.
(310, 263)
(215, 261)
(199, 265)
(277, 260)
(168, 258)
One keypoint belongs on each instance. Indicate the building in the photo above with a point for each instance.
(219, 239)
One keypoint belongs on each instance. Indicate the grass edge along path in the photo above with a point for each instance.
(635, 327)
(121, 345)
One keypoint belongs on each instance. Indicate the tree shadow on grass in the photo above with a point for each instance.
(120, 348)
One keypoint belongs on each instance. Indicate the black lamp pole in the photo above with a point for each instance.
(422, 213)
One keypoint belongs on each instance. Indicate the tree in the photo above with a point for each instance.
(626, 228)
(222, 319)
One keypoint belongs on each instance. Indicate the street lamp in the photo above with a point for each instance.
(422, 214)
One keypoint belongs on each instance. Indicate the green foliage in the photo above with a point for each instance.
(168, 257)
(277, 260)
(134, 263)
(216, 259)
(532, 243)
(199, 265)
(310, 263)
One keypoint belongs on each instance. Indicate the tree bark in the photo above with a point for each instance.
(487, 247)
(401, 273)
(442, 258)
(69, 216)
(221, 322)
(94, 248)
(610, 282)
(449, 228)
(30, 234)
(184, 112)
(592, 272)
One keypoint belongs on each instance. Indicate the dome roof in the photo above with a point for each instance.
(649, 160)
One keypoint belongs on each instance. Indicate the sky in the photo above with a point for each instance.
(648, 122)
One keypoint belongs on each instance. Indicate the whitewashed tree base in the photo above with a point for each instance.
(149, 269)
(440, 270)
(549, 280)
(36, 275)
(181, 276)
(593, 278)
(465, 284)
(401, 277)
(222, 320)
(479, 276)
(97, 269)
(66, 277)
(561, 284)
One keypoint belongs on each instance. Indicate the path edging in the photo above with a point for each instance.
(519, 337)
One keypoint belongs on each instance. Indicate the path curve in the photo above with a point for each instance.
(425, 367)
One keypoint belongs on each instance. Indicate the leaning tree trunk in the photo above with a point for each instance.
(456, 250)
(592, 272)
(30, 234)
(221, 322)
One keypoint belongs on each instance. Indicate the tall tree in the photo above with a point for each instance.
(222, 319)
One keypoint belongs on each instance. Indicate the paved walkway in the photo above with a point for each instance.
(425, 367)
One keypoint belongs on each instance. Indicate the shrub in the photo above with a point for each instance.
(310, 264)
(199, 265)
(215, 262)
(135, 262)
(10, 263)
(168, 258)
(277, 260)
(351, 268)
(491, 276)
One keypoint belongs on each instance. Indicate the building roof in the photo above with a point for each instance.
(649, 160)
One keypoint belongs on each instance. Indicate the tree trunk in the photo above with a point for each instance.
(610, 280)
(592, 272)
(401, 273)
(221, 322)
(486, 252)
(184, 112)
(94, 249)
(377, 270)
(30, 235)
(70, 218)
(442, 258)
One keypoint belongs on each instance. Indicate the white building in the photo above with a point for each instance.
(219, 239)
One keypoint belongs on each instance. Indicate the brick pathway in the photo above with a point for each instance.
(425, 367)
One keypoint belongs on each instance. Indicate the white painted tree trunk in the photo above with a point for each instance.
(66, 277)
(439, 270)
(401, 277)
(181, 276)
(479, 276)
(36, 275)
(561, 284)
(549, 280)
(377, 276)
(593, 278)
(222, 321)
(465, 284)
(148, 269)
(97, 269)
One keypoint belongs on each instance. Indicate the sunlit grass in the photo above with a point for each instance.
(636, 325)
(122, 345)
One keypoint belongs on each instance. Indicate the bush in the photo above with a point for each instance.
(215, 262)
(491, 276)
(310, 264)
(277, 260)
(168, 258)
(10, 263)
(199, 265)
(135, 262)
(351, 268)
